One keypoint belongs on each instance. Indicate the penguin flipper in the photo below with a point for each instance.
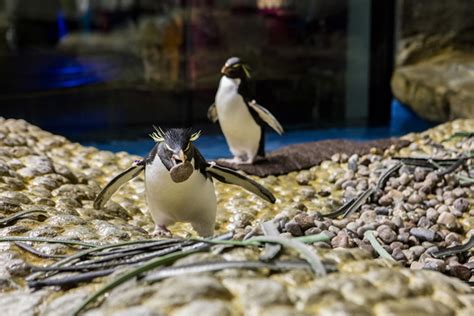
(116, 183)
(232, 177)
(212, 113)
(266, 116)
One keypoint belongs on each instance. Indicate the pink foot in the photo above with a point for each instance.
(161, 231)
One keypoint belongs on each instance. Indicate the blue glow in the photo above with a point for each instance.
(62, 28)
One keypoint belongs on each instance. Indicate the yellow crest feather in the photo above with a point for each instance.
(195, 136)
(158, 135)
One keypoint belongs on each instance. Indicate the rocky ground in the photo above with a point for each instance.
(414, 214)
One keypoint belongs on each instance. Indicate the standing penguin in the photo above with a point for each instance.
(240, 117)
(178, 183)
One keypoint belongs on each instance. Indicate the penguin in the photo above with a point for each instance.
(179, 183)
(240, 117)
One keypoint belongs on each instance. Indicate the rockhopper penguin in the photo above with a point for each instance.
(240, 117)
(178, 183)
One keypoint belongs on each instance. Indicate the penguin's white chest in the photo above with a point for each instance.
(171, 202)
(239, 127)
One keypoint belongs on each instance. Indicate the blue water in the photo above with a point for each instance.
(403, 121)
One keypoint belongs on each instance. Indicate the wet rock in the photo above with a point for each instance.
(204, 307)
(255, 293)
(9, 205)
(182, 290)
(423, 234)
(65, 304)
(64, 220)
(21, 303)
(412, 306)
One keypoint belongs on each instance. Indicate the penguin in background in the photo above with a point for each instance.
(179, 183)
(240, 117)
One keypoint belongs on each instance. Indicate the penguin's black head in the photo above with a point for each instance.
(175, 145)
(234, 68)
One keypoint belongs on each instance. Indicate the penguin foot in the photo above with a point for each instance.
(161, 231)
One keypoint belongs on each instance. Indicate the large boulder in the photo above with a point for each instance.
(439, 88)
(434, 72)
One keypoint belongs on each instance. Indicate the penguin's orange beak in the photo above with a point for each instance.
(179, 158)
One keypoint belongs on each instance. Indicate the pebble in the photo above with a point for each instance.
(341, 240)
(434, 264)
(460, 272)
(461, 205)
(385, 233)
(448, 220)
(293, 228)
(423, 234)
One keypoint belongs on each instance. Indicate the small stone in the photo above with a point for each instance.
(398, 254)
(368, 216)
(461, 205)
(385, 233)
(423, 234)
(460, 272)
(404, 179)
(424, 222)
(432, 214)
(304, 177)
(352, 162)
(434, 264)
(305, 221)
(324, 193)
(307, 192)
(452, 239)
(385, 200)
(380, 210)
(448, 220)
(312, 231)
(459, 192)
(417, 251)
(341, 240)
(415, 198)
(415, 265)
(420, 174)
(293, 228)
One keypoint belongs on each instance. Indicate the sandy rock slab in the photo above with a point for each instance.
(439, 88)
(415, 213)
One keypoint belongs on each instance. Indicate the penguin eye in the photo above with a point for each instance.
(168, 147)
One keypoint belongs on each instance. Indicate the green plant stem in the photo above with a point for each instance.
(48, 240)
(154, 263)
(369, 235)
